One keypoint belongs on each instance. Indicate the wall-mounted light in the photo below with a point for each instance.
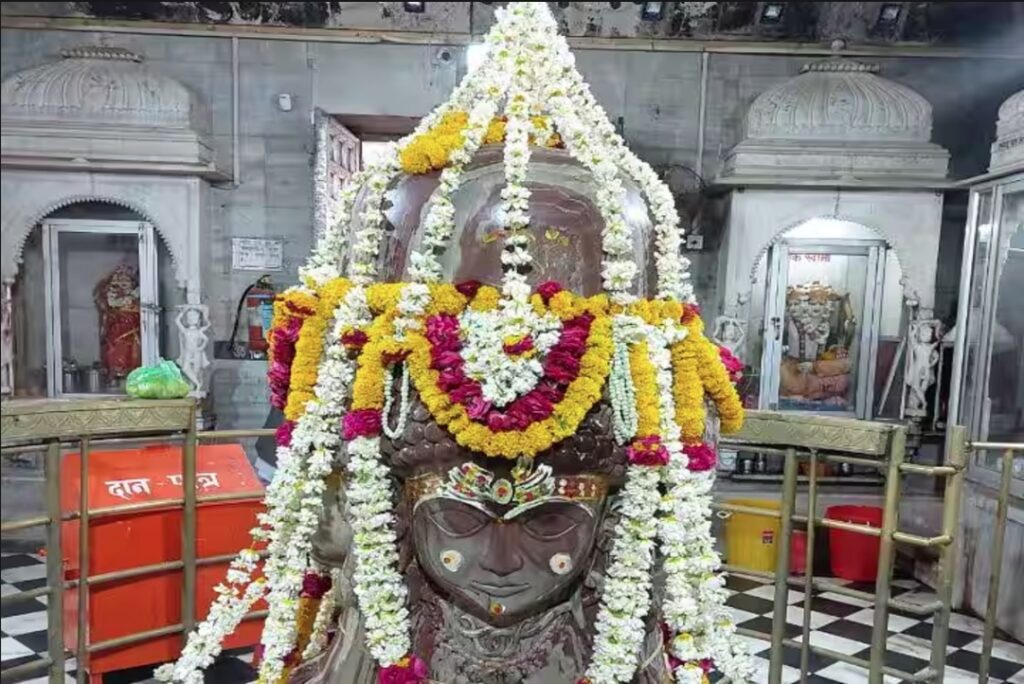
(615, 5)
(771, 12)
(652, 11)
(890, 13)
(284, 102)
(475, 56)
(416, 7)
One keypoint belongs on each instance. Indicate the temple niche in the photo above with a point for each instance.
(106, 166)
(827, 269)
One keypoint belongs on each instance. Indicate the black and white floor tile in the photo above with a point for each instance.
(838, 622)
(843, 624)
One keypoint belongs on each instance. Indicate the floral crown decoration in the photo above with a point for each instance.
(509, 371)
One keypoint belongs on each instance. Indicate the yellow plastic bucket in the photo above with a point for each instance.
(750, 539)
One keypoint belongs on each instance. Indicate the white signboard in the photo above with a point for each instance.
(256, 254)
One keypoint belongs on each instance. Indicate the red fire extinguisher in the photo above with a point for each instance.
(259, 306)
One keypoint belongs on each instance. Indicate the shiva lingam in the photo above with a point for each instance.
(494, 483)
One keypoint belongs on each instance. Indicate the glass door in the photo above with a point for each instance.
(102, 313)
(989, 365)
(822, 312)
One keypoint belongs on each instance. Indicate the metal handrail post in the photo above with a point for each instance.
(812, 511)
(188, 527)
(956, 456)
(789, 479)
(995, 575)
(54, 565)
(886, 553)
(82, 645)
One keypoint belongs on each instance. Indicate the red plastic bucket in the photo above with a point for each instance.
(854, 556)
(797, 552)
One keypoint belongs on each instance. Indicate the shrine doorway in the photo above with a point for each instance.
(828, 317)
(89, 301)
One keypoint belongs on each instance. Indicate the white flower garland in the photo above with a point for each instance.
(234, 600)
(515, 196)
(626, 597)
(378, 585)
(502, 377)
(317, 431)
(424, 263)
(693, 606)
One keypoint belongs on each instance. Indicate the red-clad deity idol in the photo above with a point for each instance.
(117, 301)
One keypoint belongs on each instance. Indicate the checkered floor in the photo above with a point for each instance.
(839, 623)
(843, 624)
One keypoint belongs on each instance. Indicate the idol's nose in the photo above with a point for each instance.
(503, 556)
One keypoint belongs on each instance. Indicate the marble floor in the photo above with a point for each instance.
(839, 623)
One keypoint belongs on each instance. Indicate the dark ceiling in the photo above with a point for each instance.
(961, 24)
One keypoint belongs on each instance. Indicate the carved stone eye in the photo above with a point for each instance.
(549, 526)
(458, 522)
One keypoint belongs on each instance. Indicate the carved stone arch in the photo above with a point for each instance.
(40, 216)
(909, 292)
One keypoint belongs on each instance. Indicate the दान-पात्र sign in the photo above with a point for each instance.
(256, 254)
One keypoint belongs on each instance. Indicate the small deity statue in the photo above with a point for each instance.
(820, 328)
(192, 322)
(922, 359)
(117, 300)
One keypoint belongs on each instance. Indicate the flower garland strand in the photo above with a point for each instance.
(317, 433)
(515, 196)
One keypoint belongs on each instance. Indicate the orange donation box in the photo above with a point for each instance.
(135, 538)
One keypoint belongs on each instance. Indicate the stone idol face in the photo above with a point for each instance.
(497, 553)
(504, 558)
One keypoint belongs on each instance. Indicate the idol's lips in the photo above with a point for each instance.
(501, 591)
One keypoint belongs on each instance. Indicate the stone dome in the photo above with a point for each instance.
(840, 99)
(100, 85)
(1008, 149)
(838, 124)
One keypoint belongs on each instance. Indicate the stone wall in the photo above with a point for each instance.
(654, 95)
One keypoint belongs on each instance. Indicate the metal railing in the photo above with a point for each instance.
(178, 428)
(1009, 451)
(773, 443)
(808, 439)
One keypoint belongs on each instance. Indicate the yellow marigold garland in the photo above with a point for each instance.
(580, 396)
(688, 391)
(716, 382)
(645, 384)
(368, 386)
(310, 347)
(287, 306)
(697, 368)
(305, 618)
(431, 150)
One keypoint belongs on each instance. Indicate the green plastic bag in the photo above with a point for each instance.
(162, 381)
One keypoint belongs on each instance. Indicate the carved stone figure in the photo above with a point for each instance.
(193, 321)
(7, 340)
(922, 359)
(504, 559)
